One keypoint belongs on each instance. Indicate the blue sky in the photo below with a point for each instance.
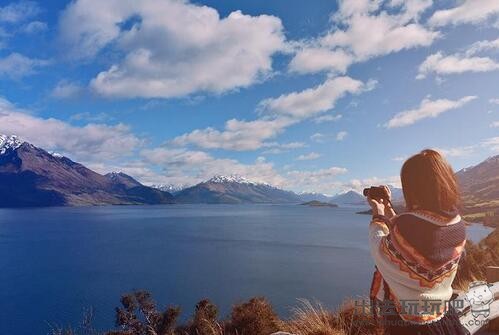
(311, 96)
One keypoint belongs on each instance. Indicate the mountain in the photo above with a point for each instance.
(397, 194)
(349, 198)
(480, 188)
(136, 192)
(234, 190)
(31, 176)
(170, 188)
(311, 196)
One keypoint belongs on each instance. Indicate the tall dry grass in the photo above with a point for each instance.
(313, 319)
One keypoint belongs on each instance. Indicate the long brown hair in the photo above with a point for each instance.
(429, 183)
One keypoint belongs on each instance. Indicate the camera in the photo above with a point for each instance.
(376, 192)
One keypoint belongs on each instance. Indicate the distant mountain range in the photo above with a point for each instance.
(170, 188)
(234, 190)
(30, 176)
(349, 198)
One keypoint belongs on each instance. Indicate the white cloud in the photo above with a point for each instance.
(91, 142)
(181, 166)
(427, 109)
(340, 136)
(482, 46)
(279, 148)
(322, 180)
(492, 144)
(312, 101)
(444, 65)
(318, 137)
(66, 89)
(312, 60)
(359, 184)
(34, 27)
(237, 135)
(494, 101)
(457, 151)
(18, 11)
(16, 66)
(171, 48)
(362, 30)
(308, 157)
(327, 118)
(468, 11)
(283, 112)
(494, 124)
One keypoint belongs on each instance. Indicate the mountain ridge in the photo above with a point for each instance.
(31, 176)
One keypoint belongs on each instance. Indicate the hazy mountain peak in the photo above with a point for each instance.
(9, 142)
(220, 179)
(171, 188)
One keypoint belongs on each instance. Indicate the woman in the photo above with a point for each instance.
(417, 252)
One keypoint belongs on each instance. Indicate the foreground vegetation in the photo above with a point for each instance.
(139, 315)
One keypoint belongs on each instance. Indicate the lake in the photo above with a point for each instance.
(55, 262)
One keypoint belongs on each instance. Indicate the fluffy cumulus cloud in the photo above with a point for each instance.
(171, 48)
(467, 11)
(92, 142)
(364, 29)
(316, 59)
(16, 66)
(278, 114)
(322, 180)
(443, 65)
(181, 166)
(313, 101)
(427, 109)
(237, 135)
(188, 167)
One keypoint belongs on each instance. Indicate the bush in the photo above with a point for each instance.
(255, 317)
(204, 321)
(139, 316)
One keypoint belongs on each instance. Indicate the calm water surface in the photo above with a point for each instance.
(55, 262)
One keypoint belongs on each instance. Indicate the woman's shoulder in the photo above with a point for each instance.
(441, 219)
(427, 231)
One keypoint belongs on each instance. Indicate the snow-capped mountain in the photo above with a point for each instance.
(31, 176)
(235, 189)
(234, 179)
(9, 143)
(170, 188)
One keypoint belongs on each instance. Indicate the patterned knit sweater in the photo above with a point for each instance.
(417, 254)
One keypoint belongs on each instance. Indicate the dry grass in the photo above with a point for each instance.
(313, 319)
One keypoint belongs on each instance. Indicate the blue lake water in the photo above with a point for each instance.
(55, 262)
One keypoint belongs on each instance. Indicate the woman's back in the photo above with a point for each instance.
(417, 252)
